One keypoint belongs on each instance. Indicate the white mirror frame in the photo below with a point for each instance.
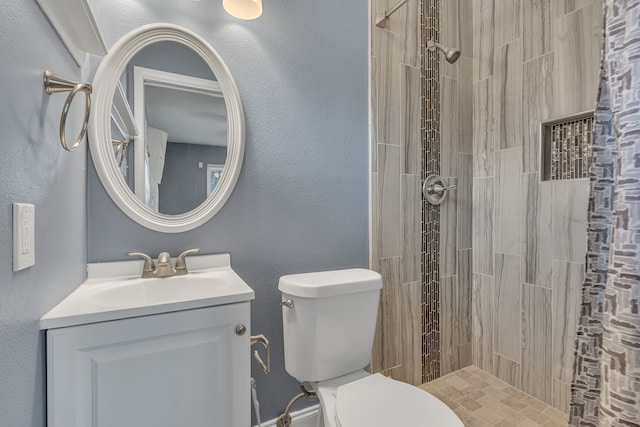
(104, 86)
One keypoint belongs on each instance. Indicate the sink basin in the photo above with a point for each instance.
(115, 291)
(138, 292)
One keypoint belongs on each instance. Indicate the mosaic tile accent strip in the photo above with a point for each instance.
(430, 150)
(571, 148)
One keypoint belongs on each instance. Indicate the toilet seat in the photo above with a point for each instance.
(378, 401)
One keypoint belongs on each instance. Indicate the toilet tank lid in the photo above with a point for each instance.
(330, 283)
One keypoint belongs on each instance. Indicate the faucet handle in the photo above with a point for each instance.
(149, 267)
(181, 262)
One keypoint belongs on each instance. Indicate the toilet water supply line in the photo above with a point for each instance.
(266, 367)
(284, 420)
(256, 404)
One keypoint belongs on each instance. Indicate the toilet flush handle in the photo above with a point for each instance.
(287, 303)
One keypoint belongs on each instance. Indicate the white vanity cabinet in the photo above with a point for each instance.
(185, 368)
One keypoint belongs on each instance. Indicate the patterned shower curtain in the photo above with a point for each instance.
(606, 385)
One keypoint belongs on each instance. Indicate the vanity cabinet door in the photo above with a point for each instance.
(181, 369)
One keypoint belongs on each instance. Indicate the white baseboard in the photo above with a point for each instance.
(307, 417)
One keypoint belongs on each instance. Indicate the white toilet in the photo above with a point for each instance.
(329, 321)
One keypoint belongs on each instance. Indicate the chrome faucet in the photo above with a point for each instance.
(164, 268)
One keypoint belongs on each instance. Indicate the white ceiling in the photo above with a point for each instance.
(188, 117)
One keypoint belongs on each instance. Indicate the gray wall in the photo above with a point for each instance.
(35, 169)
(301, 202)
(180, 167)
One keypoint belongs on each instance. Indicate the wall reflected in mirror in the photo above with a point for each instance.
(171, 152)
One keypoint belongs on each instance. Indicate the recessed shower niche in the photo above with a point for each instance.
(566, 147)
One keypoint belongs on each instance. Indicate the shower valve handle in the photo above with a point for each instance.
(438, 189)
(434, 190)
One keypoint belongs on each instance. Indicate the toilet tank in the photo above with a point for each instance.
(328, 332)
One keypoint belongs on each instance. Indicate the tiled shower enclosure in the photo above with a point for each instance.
(534, 62)
(492, 276)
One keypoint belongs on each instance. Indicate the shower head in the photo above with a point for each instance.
(450, 54)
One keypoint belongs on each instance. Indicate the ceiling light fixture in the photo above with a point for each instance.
(243, 9)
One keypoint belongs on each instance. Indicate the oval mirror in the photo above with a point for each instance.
(167, 128)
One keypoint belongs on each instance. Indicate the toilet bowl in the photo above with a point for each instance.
(328, 322)
(360, 399)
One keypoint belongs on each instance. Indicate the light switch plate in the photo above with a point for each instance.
(23, 236)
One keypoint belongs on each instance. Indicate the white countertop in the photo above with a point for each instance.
(114, 290)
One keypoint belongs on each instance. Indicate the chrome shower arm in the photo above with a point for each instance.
(381, 20)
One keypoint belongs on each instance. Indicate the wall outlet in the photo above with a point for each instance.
(23, 236)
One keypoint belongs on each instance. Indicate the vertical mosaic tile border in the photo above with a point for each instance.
(430, 151)
(566, 147)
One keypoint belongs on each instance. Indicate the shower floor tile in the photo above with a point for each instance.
(482, 400)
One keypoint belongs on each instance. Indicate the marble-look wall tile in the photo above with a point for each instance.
(465, 28)
(598, 26)
(482, 315)
(465, 104)
(455, 316)
(411, 202)
(404, 28)
(388, 201)
(448, 35)
(570, 200)
(537, 234)
(482, 225)
(534, 60)
(508, 208)
(508, 17)
(507, 95)
(376, 351)
(388, 50)
(507, 299)
(406, 298)
(464, 194)
(537, 107)
(395, 189)
(483, 38)
(410, 115)
(567, 284)
(561, 395)
(483, 131)
(410, 34)
(562, 7)
(536, 341)
(373, 114)
(389, 315)
(449, 127)
(374, 247)
(507, 370)
(465, 355)
(576, 62)
(464, 293)
(448, 344)
(448, 231)
(536, 28)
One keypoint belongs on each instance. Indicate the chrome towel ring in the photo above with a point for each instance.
(54, 84)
